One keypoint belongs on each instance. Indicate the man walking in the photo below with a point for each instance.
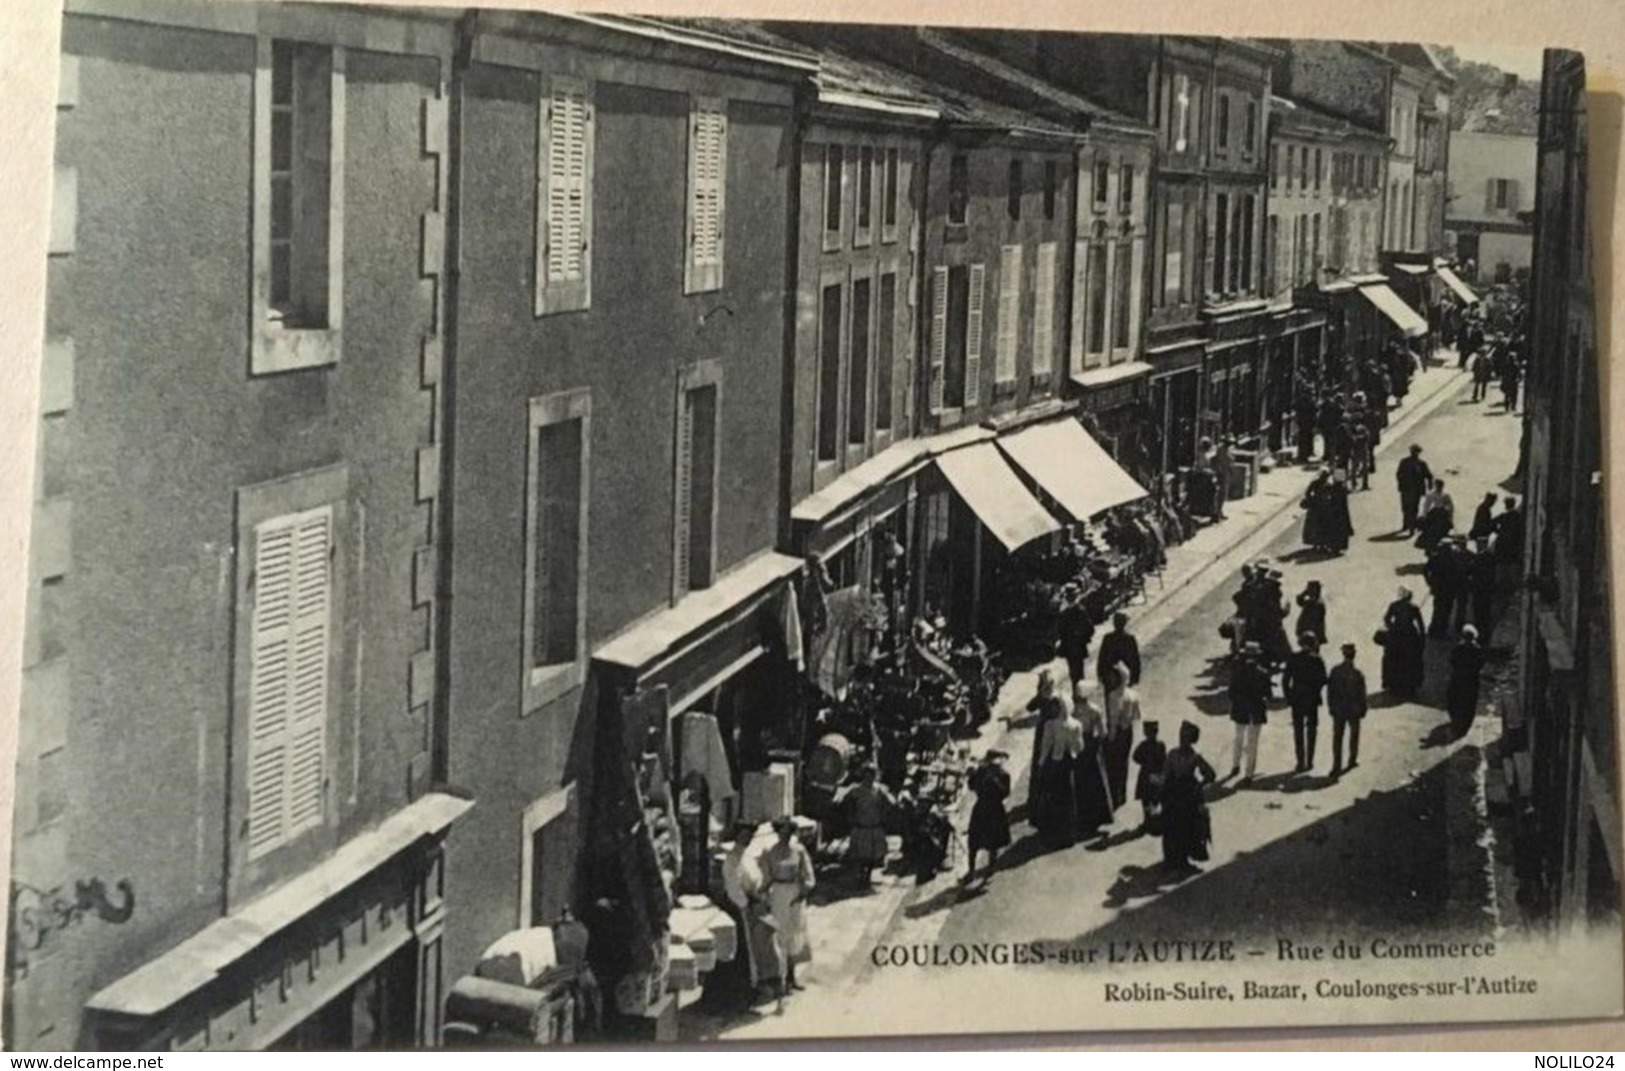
(1303, 681)
(1443, 575)
(1249, 706)
(1414, 478)
(1346, 703)
(1119, 648)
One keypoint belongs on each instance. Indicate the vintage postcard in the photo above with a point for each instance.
(560, 528)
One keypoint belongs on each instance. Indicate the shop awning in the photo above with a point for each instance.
(1407, 319)
(1076, 471)
(993, 491)
(1459, 288)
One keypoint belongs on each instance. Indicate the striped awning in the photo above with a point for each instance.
(993, 491)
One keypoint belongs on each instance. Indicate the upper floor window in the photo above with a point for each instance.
(1052, 182)
(866, 194)
(1275, 166)
(1503, 194)
(707, 194)
(1182, 102)
(1099, 185)
(1320, 165)
(891, 193)
(1014, 191)
(564, 197)
(957, 296)
(834, 191)
(831, 322)
(1303, 169)
(958, 189)
(1249, 144)
(1221, 123)
(554, 628)
(1125, 187)
(694, 479)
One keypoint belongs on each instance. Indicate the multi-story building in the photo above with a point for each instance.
(1431, 162)
(228, 758)
(1564, 718)
(1492, 193)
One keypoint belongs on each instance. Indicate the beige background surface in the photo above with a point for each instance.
(29, 34)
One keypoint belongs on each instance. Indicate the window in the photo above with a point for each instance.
(1275, 166)
(829, 373)
(298, 201)
(1176, 229)
(891, 192)
(1314, 247)
(694, 482)
(1319, 164)
(1182, 113)
(834, 188)
(1221, 244)
(1052, 181)
(1125, 187)
(555, 545)
(1272, 253)
(1014, 191)
(1098, 187)
(885, 350)
(1246, 220)
(1044, 311)
(956, 336)
(857, 400)
(1303, 169)
(707, 194)
(1004, 358)
(1503, 194)
(866, 194)
(1122, 277)
(1097, 297)
(564, 197)
(958, 189)
(1221, 123)
(1249, 143)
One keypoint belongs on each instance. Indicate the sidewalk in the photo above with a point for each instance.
(845, 931)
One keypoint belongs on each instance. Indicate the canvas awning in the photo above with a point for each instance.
(993, 491)
(1407, 319)
(1076, 471)
(1457, 287)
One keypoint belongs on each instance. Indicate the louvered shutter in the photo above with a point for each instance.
(683, 507)
(565, 192)
(939, 336)
(1044, 311)
(1009, 313)
(1514, 196)
(290, 656)
(707, 184)
(973, 335)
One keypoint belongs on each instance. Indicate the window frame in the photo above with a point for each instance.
(1125, 186)
(831, 278)
(835, 187)
(1100, 177)
(958, 189)
(886, 331)
(1221, 122)
(541, 685)
(891, 204)
(701, 375)
(852, 449)
(865, 176)
(564, 295)
(274, 348)
(1015, 188)
(257, 504)
(703, 277)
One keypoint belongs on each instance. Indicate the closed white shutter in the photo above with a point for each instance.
(707, 191)
(1044, 311)
(1009, 313)
(939, 336)
(973, 335)
(1182, 108)
(565, 192)
(290, 644)
(683, 506)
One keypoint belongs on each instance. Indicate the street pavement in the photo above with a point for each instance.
(1398, 845)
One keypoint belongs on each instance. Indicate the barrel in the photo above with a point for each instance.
(830, 760)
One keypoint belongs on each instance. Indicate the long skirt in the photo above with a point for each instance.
(763, 953)
(1094, 792)
(790, 915)
(1402, 664)
(868, 845)
(1461, 701)
(1186, 828)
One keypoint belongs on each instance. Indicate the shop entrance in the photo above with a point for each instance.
(377, 1012)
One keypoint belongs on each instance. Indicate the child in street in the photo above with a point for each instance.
(1150, 756)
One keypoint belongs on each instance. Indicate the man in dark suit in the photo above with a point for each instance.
(1119, 648)
(1075, 629)
(1303, 681)
(1414, 478)
(1346, 703)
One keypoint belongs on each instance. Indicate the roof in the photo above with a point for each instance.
(1422, 57)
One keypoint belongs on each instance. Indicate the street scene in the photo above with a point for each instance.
(562, 529)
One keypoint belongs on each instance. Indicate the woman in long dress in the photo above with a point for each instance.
(1438, 516)
(1186, 828)
(989, 822)
(787, 871)
(1339, 527)
(1461, 695)
(1403, 645)
(1122, 717)
(743, 882)
(1047, 705)
(1314, 511)
(1060, 746)
(1090, 780)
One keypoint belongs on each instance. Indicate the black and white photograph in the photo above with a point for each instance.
(555, 528)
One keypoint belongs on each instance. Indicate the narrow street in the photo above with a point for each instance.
(1393, 848)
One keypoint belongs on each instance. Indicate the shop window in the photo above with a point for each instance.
(891, 194)
(829, 372)
(1122, 277)
(556, 544)
(1013, 191)
(299, 160)
(694, 511)
(1096, 308)
(834, 188)
(857, 402)
(958, 189)
(1044, 310)
(564, 197)
(707, 195)
(885, 350)
(1099, 186)
(1052, 182)
(1004, 361)
(1125, 187)
(865, 195)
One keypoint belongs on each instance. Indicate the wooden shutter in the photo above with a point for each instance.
(1514, 196)
(1009, 313)
(289, 656)
(707, 193)
(939, 336)
(1489, 195)
(683, 506)
(1044, 311)
(565, 195)
(973, 335)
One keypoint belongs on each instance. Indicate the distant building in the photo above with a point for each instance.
(1492, 192)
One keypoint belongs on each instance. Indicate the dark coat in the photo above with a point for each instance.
(1483, 521)
(1119, 648)
(1345, 693)
(1311, 616)
(1303, 680)
(1250, 689)
(989, 822)
(1413, 475)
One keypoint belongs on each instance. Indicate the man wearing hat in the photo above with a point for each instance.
(1119, 648)
(1346, 703)
(1443, 573)
(1413, 478)
(1302, 682)
(1249, 703)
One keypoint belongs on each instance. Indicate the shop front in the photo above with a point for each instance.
(1293, 349)
(1115, 405)
(1232, 375)
(1175, 392)
(345, 956)
(1412, 279)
